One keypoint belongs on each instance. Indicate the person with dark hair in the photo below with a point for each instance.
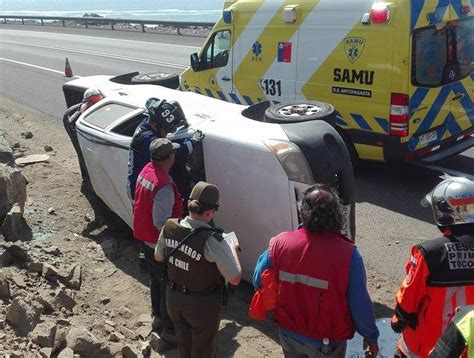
(439, 273)
(322, 297)
(157, 199)
(197, 257)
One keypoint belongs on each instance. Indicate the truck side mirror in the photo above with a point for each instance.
(195, 64)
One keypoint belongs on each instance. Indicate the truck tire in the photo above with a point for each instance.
(168, 80)
(300, 111)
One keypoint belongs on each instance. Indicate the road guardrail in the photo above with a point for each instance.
(92, 21)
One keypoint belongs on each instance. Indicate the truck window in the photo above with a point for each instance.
(434, 50)
(108, 114)
(216, 52)
(465, 46)
(430, 56)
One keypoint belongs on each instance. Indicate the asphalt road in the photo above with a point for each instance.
(389, 217)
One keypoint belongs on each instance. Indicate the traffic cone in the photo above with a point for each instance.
(68, 69)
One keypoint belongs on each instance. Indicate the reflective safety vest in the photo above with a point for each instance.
(313, 272)
(440, 277)
(458, 337)
(187, 267)
(150, 181)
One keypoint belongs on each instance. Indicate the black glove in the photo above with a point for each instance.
(397, 325)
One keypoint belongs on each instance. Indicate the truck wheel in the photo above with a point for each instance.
(300, 111)
(168, 80)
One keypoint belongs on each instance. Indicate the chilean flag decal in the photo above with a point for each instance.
(284, 52)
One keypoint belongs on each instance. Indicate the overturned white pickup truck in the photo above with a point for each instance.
(261, 157)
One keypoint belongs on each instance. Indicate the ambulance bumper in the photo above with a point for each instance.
(450, 151)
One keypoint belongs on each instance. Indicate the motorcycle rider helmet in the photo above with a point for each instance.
(452, 201)
(166, 115)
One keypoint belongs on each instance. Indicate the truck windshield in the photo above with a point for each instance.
(434, 49)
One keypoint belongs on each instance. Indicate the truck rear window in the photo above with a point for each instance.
(436, 48)
(105, 115)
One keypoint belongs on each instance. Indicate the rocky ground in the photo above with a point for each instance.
(72, 285)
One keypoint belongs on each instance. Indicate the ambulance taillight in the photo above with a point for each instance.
(399, 115)
(379, 14)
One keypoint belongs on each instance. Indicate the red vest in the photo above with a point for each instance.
(150, 180)
(313, 272)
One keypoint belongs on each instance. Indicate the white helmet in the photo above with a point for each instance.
(452, 201)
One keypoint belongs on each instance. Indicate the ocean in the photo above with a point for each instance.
(177, 10)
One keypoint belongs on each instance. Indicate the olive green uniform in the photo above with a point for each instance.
(194, 272)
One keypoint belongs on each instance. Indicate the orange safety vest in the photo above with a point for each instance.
(265, 299)
(439, 278)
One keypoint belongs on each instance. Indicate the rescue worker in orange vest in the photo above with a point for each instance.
(156, 200)
(197, 257)
(439, 273)
(322, 296)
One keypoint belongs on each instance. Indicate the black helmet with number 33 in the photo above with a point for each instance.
(452, 201)
(166, 115)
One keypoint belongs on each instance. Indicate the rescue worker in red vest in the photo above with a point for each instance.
(196, 256)
(164, 117)
(157, 199)
(458, 339)
(322, 296)
(439, 273)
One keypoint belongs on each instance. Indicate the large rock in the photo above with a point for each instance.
(130, 351)
(23, 316)
(44, 334)
(13, 224)
(4, 287)
(6, 153)
(81, 341)
(64, 299)
(66, 353)
(19, 251)
(73, 278)
(5, 257)
(12, 189)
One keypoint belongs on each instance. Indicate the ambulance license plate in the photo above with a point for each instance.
(428, 137)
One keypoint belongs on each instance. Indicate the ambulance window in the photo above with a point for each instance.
(429, 56)
(216, 53)
(464, 31)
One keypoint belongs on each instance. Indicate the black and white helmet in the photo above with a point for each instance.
(452, 201)
(167, 115)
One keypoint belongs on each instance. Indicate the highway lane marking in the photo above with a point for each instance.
(99, 54)
(31, 65)
(109, 38)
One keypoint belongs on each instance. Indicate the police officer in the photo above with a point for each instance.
(439, 273)
(196, 256)
(157, 199)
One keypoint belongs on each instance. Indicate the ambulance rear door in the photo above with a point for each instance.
(441, 74)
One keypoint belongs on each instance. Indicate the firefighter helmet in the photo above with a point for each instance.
(452, 201)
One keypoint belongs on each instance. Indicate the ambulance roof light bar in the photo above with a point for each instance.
(380, 13)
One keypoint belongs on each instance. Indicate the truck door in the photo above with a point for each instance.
(215, 74)
(442, 82)
(462, 93)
